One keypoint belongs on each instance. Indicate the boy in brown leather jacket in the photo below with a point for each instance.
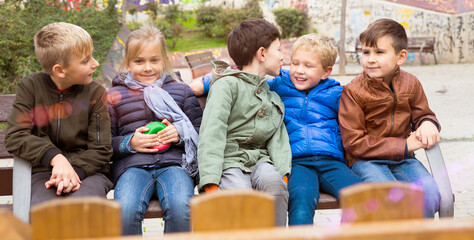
(384, 115)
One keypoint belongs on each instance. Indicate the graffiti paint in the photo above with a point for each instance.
(454, 34)
(447, 6)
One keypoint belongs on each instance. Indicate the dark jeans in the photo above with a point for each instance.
(94, 185)
(309, 176)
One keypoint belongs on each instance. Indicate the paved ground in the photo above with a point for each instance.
(449, 88)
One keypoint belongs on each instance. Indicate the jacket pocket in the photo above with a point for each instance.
(277, 113)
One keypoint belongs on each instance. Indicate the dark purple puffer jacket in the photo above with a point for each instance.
(128, 111)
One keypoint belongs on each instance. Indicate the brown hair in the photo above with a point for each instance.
(250, 35)
(57, 42)
(146, 35)
(320, 44)
(385, 27)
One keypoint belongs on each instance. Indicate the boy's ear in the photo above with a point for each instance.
(402, 57)
(260, 54)
(58, 71)
(327, 72)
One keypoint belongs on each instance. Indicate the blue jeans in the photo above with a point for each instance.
(409, 170)
(174, 189)
(309, 176)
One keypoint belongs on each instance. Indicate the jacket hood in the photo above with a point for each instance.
(223, 69)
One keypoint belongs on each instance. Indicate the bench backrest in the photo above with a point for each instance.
(80, 217)
(6, 173)
(6, 104)
(381, 201)
(232, 209)
(200, 63)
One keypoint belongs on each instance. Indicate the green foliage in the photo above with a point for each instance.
(207, 18)
(293, 22)
(169, 20)
(197, 40)
(219, 22)
(19, 22)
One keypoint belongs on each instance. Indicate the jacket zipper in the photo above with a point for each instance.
(61, 95)
(305, 111)
(97, 122)
(393, 111)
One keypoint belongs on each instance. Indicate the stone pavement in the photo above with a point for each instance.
(449, 89)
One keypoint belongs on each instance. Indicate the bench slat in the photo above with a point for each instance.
(6, 180)
(200, 63)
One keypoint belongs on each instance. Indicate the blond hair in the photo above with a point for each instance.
(57, 42)
(147, 35)
(320, 44)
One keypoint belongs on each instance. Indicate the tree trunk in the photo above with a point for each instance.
(342, 40)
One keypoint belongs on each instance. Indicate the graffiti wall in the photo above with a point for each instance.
(447, 6)
(454, 33)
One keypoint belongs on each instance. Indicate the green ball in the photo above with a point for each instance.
(154, 127)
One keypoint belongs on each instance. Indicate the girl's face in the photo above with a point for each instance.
(148, 65)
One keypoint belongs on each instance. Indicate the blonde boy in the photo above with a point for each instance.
(311, 101)
(60, 122)
(384, 115)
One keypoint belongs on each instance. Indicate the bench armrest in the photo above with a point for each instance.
(440, 175)
(21, 188)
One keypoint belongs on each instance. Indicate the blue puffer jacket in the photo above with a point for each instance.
(128, 111)
(311, 120)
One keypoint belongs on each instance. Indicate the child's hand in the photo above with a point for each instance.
(169, 134)
(413, 143)
(428, 134)
(63, 175)
(142, 142)
(197, 87)
(60, 186)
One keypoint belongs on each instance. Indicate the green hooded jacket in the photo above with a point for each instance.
(242, 125)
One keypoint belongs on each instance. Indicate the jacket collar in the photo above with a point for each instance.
(53, 87)
(223, 69)
(373, 81)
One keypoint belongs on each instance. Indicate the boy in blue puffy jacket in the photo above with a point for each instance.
(311, 102)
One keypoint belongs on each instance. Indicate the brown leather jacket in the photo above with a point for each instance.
(376, 121)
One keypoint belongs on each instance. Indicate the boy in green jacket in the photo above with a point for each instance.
(60, 122)
(243, 143)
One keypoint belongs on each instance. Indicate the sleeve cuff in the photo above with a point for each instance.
(48, 156)
(125, 145)
(206, 83)
(431, 120)
(180, 143)
(80, 172)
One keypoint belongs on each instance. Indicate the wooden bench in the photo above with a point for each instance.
(326, 201)
(415, 44)
(423, 229)
(200, 63)
(21, 204)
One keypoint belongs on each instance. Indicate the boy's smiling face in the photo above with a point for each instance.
(306, 70)
(381, 61)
